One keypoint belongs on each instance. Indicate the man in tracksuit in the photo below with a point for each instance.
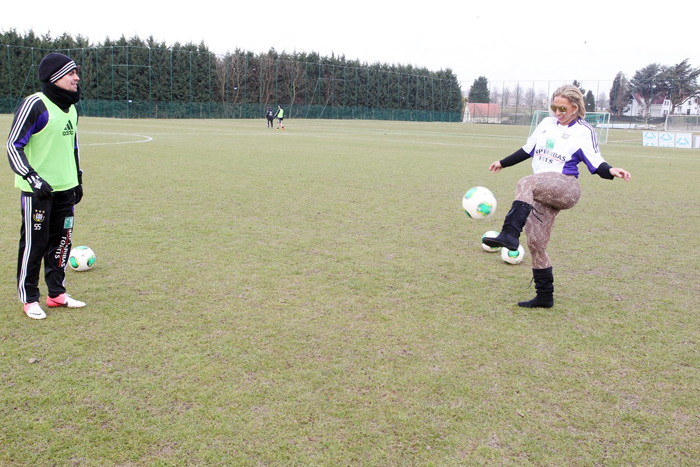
(270, 117)
(43, 152)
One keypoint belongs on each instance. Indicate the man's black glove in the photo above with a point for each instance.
(78, 190)
(41, 188)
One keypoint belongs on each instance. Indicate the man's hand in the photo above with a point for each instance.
(41, 188)
(78, 190)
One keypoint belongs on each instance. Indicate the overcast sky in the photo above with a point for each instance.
(502, 40)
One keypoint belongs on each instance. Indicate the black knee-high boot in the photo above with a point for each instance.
(512, 226)
(544, 284)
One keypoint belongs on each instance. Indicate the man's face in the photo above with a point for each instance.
(69, 81)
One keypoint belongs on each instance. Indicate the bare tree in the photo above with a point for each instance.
(495, 96)
(220, 77)
(505, 98)
(518, 96)
(600, 101)
(268, 80)
(530, 99)
(293, 78)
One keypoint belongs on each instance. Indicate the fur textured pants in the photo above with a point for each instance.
(549, 193)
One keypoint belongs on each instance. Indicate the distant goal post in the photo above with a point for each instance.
(686, 123)
(598, 120)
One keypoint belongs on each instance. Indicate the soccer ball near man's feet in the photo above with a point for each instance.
(81, 258)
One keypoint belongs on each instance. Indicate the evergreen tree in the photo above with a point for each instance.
(620, 94)
(479, 92)
(590, 101)
(681, 80)
(648, 82)
(143, 78)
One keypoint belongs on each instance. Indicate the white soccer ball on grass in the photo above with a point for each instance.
(513, 256)
(489, 234)
(81, 258)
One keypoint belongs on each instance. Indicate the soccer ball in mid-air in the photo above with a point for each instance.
(479, 203)
(489, 234)
(81, 258)
(513, 256)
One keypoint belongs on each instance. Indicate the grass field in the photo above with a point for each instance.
(317, 297)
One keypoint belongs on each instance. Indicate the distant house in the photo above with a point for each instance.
(660, 106)
(690, 106)
(482, 113)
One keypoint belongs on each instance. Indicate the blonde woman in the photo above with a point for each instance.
(557, 146)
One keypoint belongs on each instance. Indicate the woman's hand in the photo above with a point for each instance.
(620, 173)
(495, 167)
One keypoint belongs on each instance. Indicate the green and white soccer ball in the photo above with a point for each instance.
(81, 258)
(479, 203)
(489, 234)
(513, 256)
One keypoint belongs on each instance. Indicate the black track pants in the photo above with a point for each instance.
(46, 233)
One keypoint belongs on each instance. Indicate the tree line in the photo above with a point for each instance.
(677, 83)
(146, 78)
(520, 95)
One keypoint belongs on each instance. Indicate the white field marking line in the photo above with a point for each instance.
(225, 127)
(373, 137)
(341, 136)
(146, 140)
(240, 128)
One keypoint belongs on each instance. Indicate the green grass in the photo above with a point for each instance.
(316, 296)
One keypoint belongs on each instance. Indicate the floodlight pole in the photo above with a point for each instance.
(150, 101)
(190, 83)
(128, 102)
(9, 70)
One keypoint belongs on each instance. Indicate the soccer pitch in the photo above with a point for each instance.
(317, 296)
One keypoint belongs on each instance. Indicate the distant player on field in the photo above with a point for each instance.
(280, 117)
(43, 152)
(270, 118)
(556, 147)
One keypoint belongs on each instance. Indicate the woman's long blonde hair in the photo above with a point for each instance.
(574, 95)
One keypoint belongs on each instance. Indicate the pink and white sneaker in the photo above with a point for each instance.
(64, 300)
(34, 311)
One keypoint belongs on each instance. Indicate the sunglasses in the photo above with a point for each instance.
(560, 108)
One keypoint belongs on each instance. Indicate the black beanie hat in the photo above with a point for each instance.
(54, 67)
